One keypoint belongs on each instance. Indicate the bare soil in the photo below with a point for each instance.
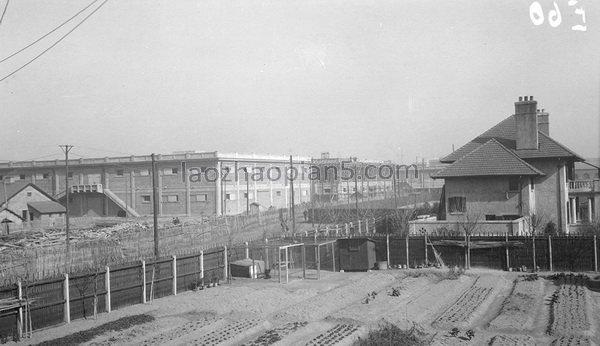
(499, 307)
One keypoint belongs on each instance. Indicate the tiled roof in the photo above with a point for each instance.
(490, 159)
(47, 207)
(11, 190)
(505, 132)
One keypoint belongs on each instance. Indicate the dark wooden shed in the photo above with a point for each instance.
(356, 253)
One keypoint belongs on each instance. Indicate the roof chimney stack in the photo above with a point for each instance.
(527, 123)
(543, 120)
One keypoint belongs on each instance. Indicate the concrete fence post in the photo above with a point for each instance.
(174, 275)
(407, 254)
(202, 266)
(359, 228)
(107, 286)
(550, 252)
(247, 250)
(596, 254)
(143, 282)
(387, 249)
(507, 254)
(225, 263)
(333, 255)
(67, 304)
(20, 316)
(267, 253)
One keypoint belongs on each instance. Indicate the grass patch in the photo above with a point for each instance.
(90, 334)
(390, 334)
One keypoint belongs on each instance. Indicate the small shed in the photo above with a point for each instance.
(356, 253)
(48, 213)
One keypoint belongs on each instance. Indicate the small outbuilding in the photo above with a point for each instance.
(356, 253)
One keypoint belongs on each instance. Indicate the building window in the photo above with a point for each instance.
(144, 172)
(119, 172)
(40, 176)
(246, 195)
(327, 190)
(146, 199)
(29, 193)
(200, 198)
(24, 213)
(278, 193)
(513, 184)
(230, 196)
(490, 217)
(70, 175)
(457, 204)
(171, 198)
(170, 171)
(22, 177)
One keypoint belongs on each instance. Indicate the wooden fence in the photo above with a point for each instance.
(137, 244)
(59, 300)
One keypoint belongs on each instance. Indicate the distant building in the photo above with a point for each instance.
(26, 205)
(514, 169)
(343, 180)
(189, 183)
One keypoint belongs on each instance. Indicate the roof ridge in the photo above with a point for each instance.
(561, 145)
(491, 144)
(514, 154)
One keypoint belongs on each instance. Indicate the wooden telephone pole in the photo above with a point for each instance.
(292, 195)
(155, 208)
(66, 148)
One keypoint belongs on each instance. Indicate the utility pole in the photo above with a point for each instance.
(155, 206)
(66, 148)
(6, 206)
(356, 189)
(292, 200)
(247, 192)
(394, 187)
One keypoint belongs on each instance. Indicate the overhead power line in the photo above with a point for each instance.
(55, 43)
(4, 11)
(48, 33)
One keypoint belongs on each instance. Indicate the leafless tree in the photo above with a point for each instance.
(469, 222)
(533, 225)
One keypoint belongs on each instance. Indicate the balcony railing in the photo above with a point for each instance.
(584, 185)
(86, 188)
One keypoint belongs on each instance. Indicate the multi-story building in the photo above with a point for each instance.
(513, 170)
(343, 180)
(189, 184)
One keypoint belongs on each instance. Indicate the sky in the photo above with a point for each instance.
(382, 80)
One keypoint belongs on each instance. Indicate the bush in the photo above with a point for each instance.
(530, 277)
(551, 229)
(454, 273)
(390, 334)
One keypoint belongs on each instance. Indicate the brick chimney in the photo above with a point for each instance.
(543, 120)
(526, 122)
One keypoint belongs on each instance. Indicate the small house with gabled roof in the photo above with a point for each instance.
(513, 170)
(26, 205)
